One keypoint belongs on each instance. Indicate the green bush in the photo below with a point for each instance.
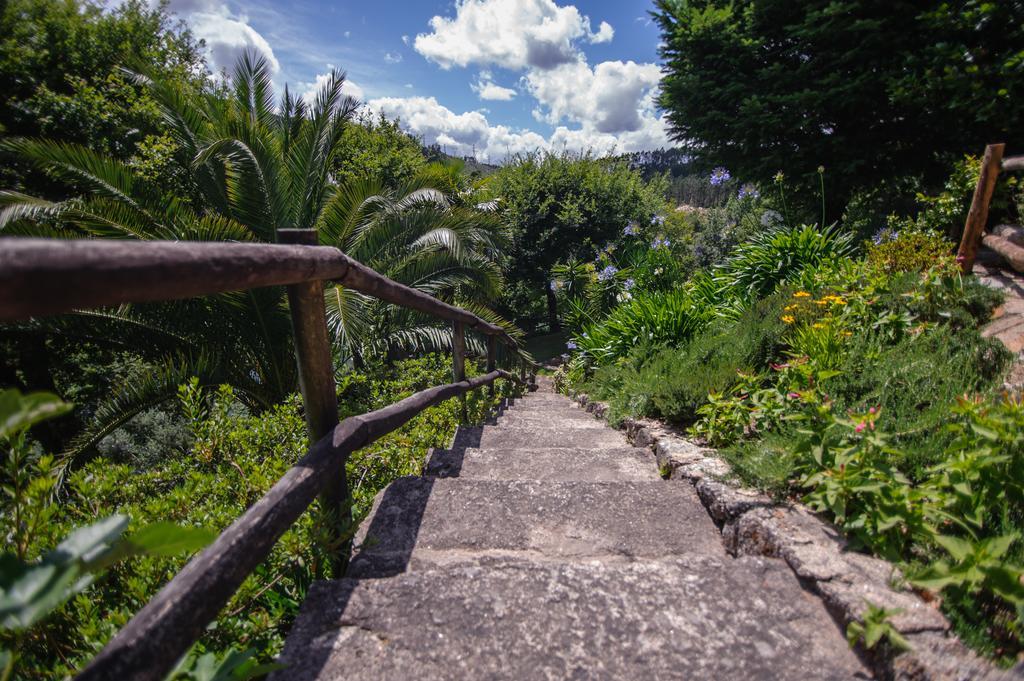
(652, 319)
(675, 382)
(909, 251)
(768, 260)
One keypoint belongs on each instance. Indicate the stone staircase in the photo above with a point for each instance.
(543, 546)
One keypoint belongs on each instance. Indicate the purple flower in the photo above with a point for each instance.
(629, 284)
(630, 230)
(720, 176)
(607, 273)
(749, 191)
(658, 220)
(659, 243)
(570, 345)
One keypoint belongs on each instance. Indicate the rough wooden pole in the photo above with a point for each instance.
(492, 348)
(459, 363)
(316, 381)
(978, 215)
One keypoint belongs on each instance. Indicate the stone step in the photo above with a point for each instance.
(516, 437)
(553, 464)
(550, 413)
(423, 521)
(688, 618)
(547, 421)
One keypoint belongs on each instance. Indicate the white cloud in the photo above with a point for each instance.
(392, 57)
(471, 133)
(514, 34)
(310, 89)
(613, 97)
(227, 35)
(461, 134)
(405, 39)
(604, 34)
(486, 89)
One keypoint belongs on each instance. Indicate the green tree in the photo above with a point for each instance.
(60, 77)
(871, 90)
(563, 207)
(378, 149)
(255, 166)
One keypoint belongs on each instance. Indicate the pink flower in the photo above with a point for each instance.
(860, 427)
(871, 410)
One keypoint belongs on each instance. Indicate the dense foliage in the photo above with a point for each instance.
(561, 207)
(876, 91)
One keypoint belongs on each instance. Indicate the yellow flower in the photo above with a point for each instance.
(788, 318)
(790, 308)
(847, 333)
(821, 302)
(818, 325)
(801, 294)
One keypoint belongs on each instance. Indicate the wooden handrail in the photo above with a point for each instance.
(154, 640)
(40, 277)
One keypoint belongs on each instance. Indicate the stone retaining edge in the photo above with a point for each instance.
(754, 524)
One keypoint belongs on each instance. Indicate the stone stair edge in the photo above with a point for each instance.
(754, 524)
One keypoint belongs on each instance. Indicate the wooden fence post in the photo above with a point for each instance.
(459, 364)
(316, 382)
(492, 348)
(978, 215)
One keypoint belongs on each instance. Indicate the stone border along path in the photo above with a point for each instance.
(752, 524)
(543, 546)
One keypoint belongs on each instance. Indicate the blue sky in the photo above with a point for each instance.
(491, 77)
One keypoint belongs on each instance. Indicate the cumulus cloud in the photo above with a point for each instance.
(514, 34)
(471, 133)
(310, 89)
(613, 97)
(461, 134)
(227, 35)
(487, 89)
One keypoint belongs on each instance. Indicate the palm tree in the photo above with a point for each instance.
(256, 168)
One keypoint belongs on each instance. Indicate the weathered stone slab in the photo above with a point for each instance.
(692, 618)
(525, 437)
(414, 519)
(816, 551)
(553, 464)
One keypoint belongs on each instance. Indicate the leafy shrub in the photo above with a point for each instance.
(653, 319)
(909, 251)
(759, 266)
(675, 382)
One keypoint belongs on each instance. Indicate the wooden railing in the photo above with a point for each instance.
(974, 229)
(48, 276)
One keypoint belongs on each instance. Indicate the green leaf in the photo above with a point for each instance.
(168, 539)
(20, 412)
(88, 543)
(956, 547)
